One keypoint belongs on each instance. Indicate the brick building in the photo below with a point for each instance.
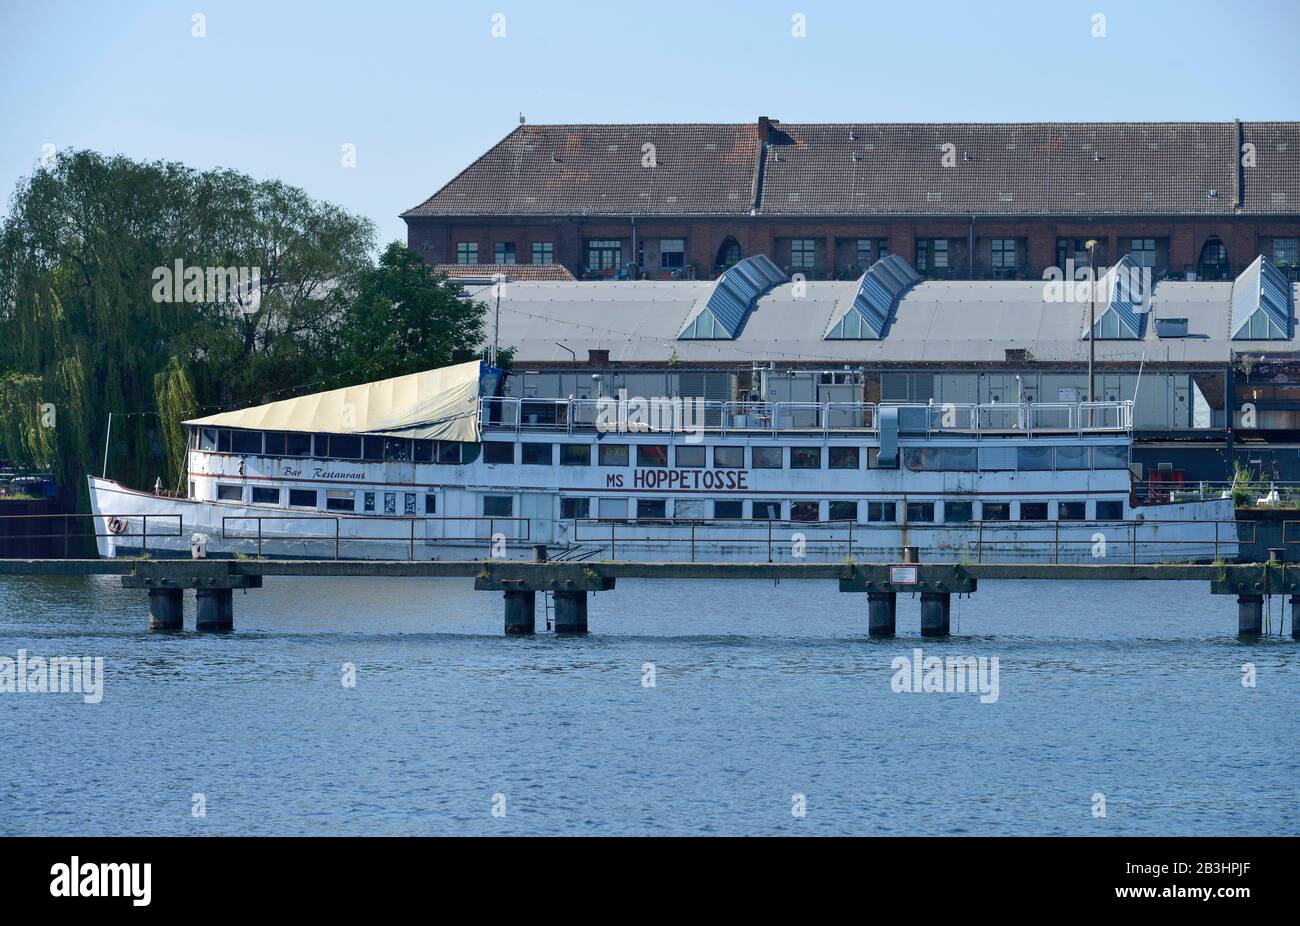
(957, 200)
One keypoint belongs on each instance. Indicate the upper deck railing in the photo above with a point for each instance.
(759, 418)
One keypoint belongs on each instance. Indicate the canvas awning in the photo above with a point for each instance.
(435, 404)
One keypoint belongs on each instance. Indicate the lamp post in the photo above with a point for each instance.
(1092, 316)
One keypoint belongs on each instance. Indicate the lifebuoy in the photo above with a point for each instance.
(116, 526)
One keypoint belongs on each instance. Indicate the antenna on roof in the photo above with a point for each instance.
(522, 119)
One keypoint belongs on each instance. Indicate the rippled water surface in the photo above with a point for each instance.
(762, 691)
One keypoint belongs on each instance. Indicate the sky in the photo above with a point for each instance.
(420, 89)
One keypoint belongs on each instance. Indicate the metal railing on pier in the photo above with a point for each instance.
(118, 527)
(495, 530)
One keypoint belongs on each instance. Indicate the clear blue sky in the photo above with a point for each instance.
(422, 88)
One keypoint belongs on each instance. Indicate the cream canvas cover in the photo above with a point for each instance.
(435, 404)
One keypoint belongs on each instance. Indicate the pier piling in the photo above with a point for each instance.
(215, 609)
(166, 608)
(935, 609)
(570, 612)
(521, 613)
(1250, 615)
(882, 607)
(1295, 609)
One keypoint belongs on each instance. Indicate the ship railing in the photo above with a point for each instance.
(685, 415)
(1101, 542)
(493, 532)
(116, 526)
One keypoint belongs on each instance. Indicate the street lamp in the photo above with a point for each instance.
(1092, 311)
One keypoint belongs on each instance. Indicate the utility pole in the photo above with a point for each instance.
(1092, 315)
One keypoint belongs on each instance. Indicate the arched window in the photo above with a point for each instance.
(729, 254)
(1213, 264)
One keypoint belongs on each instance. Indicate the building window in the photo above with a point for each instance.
(575, 454)
(503, 252)
(941, 254)
(1286, 251)
(264, 496)
(768, 457)
(604, 254)
(691, 457)
(882, 512)
(543, 252)
(302, 498)
(496, 451)
(1213, 264)
(672, 253)
(1004, 253)
(653, 508)
(728, 457)
(805, 511)
(803, 253)
(1144, 252)
(765, 511)
(575, 507)
(467, 252)
(729, 254)
(230, 493)
(843, 511)
(931, 254)
(498, 506)
(728, 510)
(864, 253)
(340, 500)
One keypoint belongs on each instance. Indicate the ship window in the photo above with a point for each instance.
(1033, 458)
(297, 444)
(651, 508)
(265, 496)
(448, 452)
(408, 503)
(1070, 511)
(322, 446)
(422, 451)
(302, 498)
(368, 499)
(538, 454)
(372, 449)
(575, 507)
(920, 512)
(766, 511)
(223, 441)
(345, 446)
(1113, 456)
(689, 508)
(995, 511)
(613, 455)
(497, 451)
(340, 500)
(1070, 457)
(230, 493)
(882, 512)
(691, 457)
(430, 503)
(207, 438)
(842, 457)
(612, 509)
(390, 503)
(397, 450)
(728, 510)
(805, 458)
(914, 458)
(274, 443)
(957, 459)
(729, 457)
(498, 506)
(958, 512)
(1110, 511)
(575, 454)
(805, 511)
(768, 457)
(1033, 511)
(246, 441)
(652, 455)
(843, 511)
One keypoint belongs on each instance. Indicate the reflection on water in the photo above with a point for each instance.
(761, 691)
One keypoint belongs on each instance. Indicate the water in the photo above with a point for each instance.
(762, 691)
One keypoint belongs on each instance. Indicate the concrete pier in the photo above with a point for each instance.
(1250, 615)
(882, 608)
(166, 608)
(521, 612)
(935, 607)
(215, 609)
(570, 612)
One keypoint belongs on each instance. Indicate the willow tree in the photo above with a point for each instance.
(85, 328)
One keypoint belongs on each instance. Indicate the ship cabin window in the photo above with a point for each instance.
(690, 457)
(575, 507)
(372, 448)
(882, 512)
(651, 508)
(949, 459)
(345, 446)
(1070, 511)
(728, 457)
(498, 506)
(302, 498)
(408, 503)
(995, 511)
(243, 442)
(1030, 459)
(842, 458)
(1069, 457)
(499, 451)
(920, 512)
(958, 512)
(652, 455)
(768, 457)
(207, 438)
(766, 511)
(805, 458)
(422, 451)
(575, 454)
(230, 493)
(397, 450)
(430, 503)
(689, 509)
(449, 452)
(368, 501)
(728, 510)
(340, 500)
(612, 509)
(805, 511)
(613, 455)
(265, 496)
(843, 511)
(1114, 456)
(1110, 511)
(538, 454)
(1033, 511)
